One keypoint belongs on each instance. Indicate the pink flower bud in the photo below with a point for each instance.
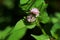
(35, 11)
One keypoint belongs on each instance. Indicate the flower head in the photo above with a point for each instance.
(31, 18)
(35, 11)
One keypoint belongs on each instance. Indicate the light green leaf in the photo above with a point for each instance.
(20, 24)
(44, 17)
(31, 26)
(55, 31)
(18, 31)
(41, 37)
(23, 1)
(54, 20)
(4, 33)
(17, 34)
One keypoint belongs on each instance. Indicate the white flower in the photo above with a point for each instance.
(31, 18)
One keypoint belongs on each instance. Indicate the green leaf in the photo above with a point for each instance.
(2, 19)
(23, 1)
(40, 4)
(17, 34)
(57, 14)
(44, 18)
(4, 33)
(58, 38)
(54, 20)
(8, 3)
(31, 26)
(19, 31)
(26, 4)
(19, 25)
(55, 31)
(0, 34)
(41, 37)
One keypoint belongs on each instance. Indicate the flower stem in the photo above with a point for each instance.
(39, 26)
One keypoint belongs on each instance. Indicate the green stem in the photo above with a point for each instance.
(43, 31)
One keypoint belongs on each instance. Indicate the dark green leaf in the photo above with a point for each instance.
(8, 3)
(40, 4)
(55, 31)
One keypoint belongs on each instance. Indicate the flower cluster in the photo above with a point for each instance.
(34, 12)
